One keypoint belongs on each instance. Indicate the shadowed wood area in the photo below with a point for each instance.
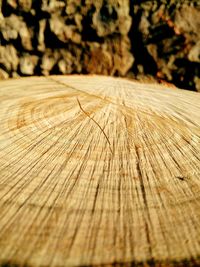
(97, 170)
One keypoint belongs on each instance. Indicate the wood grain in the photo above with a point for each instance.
(97, 170)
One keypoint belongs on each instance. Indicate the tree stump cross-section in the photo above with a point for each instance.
(98, 171)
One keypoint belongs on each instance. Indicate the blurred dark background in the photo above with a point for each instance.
(147, 40)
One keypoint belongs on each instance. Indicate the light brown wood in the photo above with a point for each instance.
(97, 170)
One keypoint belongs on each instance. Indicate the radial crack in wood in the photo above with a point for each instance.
(98, 170)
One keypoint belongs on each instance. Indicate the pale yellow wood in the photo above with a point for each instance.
(97, 170)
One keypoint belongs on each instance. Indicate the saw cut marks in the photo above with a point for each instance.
(98, 170)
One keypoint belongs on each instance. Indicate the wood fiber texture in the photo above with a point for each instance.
(98, 171)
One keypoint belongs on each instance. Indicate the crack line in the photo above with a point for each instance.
(95, 123)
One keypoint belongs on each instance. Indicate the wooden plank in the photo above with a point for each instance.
(97, 170)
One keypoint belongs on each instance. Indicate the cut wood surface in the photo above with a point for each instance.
(97, 170)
